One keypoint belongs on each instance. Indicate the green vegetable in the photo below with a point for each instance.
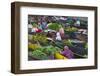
(44, 52)
(50, 50)
(71, 29)
(34, 24)
(68, 42)
(40, 38)
(33, 46)
(54, 26)
(59, 44)
(39, 55)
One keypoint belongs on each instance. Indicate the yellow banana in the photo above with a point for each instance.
(59, 56)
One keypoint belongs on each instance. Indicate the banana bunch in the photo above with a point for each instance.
(59, 56)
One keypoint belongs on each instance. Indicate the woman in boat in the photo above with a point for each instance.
(67, 52)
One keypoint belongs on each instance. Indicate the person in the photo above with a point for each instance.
(34, 29)
(39, 25)
(30, 28)
(67, 52)
(58, 37)
(44, 23)
(77, 22)
(61, 31)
